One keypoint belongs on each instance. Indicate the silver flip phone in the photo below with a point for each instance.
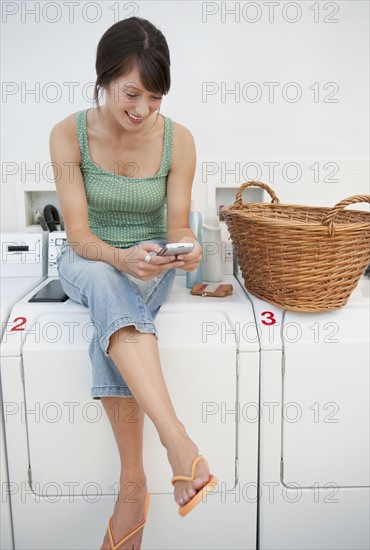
(172, 249)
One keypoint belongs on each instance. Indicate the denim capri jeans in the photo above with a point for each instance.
(115, 299)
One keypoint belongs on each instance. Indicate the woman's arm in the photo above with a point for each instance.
(179, 185)
(65, 156)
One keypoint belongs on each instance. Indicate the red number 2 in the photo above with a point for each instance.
(20, 326)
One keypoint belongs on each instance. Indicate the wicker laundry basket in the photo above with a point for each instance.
(299, 258)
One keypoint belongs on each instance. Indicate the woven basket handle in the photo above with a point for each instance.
(328, 219)
(239, 200)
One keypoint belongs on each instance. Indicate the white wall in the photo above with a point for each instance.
(215, 47)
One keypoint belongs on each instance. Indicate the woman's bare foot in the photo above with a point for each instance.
(181, 455)
(128, 512)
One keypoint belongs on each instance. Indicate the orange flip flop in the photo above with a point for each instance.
(186, 508)
(132, 532)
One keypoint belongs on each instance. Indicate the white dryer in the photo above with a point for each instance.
(23, 266)
(63, 461)
(314, 426)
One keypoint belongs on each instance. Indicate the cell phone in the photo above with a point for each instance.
(172, 249)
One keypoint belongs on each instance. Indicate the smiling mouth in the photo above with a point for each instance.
(133, 118)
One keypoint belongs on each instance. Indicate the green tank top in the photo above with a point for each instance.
(123, 210)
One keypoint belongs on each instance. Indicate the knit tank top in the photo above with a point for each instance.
(123, 210)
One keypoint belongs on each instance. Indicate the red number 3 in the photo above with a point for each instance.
(270, 317)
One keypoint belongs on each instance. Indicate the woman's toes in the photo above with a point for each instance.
(186, 496)
(199, 482)
(191, 492)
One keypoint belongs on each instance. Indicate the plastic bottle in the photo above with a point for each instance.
(213, 266)
(195, 222)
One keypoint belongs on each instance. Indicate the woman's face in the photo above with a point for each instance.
(129, 102)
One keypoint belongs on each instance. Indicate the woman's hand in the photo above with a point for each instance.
(192, 260)
(131, 260)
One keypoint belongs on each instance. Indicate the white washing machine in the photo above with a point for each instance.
(23, 266)
(314, 427)
(63, 460)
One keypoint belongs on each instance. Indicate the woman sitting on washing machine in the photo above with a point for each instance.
(116, 166)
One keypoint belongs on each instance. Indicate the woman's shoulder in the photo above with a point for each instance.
(67, 124)
(183, 146)
(182, 135)
(65, 131)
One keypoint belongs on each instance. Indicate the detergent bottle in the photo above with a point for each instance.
(213, 266)
(195, 223)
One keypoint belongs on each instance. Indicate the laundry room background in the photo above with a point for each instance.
(275, 91)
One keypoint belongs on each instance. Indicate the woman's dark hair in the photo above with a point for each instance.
(129, 43)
